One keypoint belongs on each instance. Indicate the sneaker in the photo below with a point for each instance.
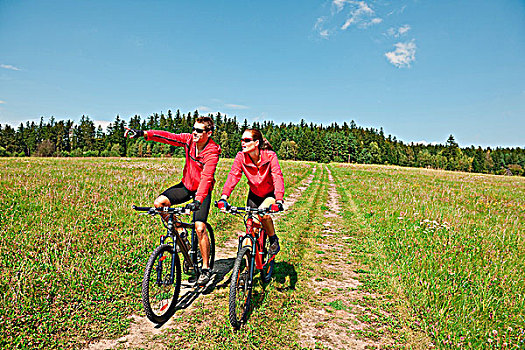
(274, 247)
(204, 277)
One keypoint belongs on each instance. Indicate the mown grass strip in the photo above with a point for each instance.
(453, 243)
(274, 320)
(366, 250)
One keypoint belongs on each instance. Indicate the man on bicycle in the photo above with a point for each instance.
(202, 156)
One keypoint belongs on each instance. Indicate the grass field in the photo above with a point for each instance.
(73, 251)
(448, 245)
(453, 243)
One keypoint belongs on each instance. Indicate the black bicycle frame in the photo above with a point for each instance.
(189, 255)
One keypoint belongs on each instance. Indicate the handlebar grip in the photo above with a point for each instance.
(141, 208)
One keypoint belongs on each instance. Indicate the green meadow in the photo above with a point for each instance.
(448, 245)
(451, 243)
(72, 249)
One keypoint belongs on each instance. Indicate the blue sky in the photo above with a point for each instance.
(420, 69)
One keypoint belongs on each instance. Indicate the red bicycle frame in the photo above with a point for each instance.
(254, 229)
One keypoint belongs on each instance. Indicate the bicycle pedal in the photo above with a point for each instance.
(187, 267)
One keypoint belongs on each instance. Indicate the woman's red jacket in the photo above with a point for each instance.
(262, 179)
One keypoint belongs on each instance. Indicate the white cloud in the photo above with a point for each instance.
(397, 11)
(403, 55)
(340, 4)
(348, 23)
(397, 32)
(2, 102)
(425, 143)
(8, 66)
(360, 15)
(103, 123)
(351, 13)
(319, 27)
(204, 109)
(376, 20)
(404, 29)
(234, 106)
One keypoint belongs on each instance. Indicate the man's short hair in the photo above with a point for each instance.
(207, 121)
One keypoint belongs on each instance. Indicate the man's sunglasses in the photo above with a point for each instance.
(246, 140)
(198, 130)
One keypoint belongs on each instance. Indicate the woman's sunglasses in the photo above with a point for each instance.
(246, 140)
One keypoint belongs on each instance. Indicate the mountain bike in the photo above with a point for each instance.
(252, 254)
(162, 277)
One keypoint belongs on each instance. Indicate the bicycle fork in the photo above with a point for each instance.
(252, 262)
(160, 280)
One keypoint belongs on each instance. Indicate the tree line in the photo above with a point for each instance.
(330, 143)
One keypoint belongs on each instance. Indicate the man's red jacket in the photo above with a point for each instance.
(199, 170)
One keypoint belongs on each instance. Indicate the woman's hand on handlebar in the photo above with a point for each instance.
(223, 205)
(278, 206)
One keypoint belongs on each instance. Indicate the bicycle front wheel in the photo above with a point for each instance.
(240, 288)
(161, 284)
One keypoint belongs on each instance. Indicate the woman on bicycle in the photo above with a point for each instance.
(259, 163)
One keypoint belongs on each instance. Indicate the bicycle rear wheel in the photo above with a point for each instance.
(267, 270)
(240, 288)
(161, 284)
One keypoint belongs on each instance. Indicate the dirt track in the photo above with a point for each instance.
(142, 333)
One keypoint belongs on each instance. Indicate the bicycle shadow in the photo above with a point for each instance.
(284, 278)
(190, 291)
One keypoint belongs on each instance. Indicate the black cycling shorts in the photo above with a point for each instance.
(254, 201)
(179, 194)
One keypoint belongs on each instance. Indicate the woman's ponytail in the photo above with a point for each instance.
(266, 145)
(257, 136)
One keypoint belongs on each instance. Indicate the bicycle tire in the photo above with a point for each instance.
(267, 270)
(240, 288)
(211, 238)
(159, 292)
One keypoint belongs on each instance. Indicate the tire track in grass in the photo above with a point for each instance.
(343, 314)
(144, 334)
(387, 318)
(273, 319)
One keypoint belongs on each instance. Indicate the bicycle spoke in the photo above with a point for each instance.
(160, 289)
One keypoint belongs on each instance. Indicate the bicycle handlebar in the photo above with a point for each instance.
(168, 210)
(239, 210)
